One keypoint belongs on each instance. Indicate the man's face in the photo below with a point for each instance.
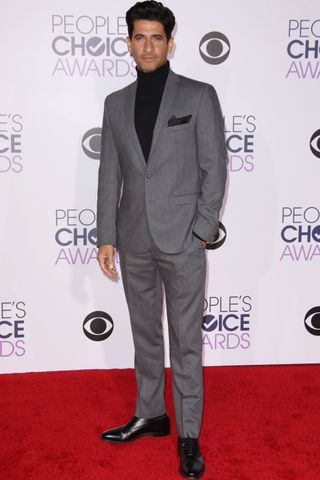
(148, 45)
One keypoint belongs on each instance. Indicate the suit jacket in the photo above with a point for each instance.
(181, 188)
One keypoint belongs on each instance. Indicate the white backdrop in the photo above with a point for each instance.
(58, 62)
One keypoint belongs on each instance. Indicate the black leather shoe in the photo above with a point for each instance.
(191, 461)
(137, 427)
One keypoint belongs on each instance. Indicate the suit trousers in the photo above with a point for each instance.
(183, 277)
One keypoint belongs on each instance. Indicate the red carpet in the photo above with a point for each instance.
(260, 423)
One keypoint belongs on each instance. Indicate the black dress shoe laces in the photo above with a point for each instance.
(190, 447)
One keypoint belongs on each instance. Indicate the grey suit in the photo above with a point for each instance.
(178, 191)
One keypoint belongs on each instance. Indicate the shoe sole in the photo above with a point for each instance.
(155, 434)
(191, 476)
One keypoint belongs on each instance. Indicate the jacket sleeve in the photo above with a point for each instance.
(109, 184)
(212, 157)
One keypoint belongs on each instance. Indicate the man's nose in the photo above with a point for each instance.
(148, 45)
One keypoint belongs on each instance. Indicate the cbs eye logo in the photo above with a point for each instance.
(312, 321)
(315, 143)
(214, 48)
(98, 326)
(219, 241)
(91, 143)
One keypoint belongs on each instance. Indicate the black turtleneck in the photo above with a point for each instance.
(148, 97)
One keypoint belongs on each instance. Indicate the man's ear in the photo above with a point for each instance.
(170, 42)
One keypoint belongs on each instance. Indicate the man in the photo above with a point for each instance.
(163, 144)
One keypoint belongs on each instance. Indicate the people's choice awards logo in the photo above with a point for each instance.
(303, 48)
(300, 233)
(98, 326)
(240, 133)
(88, 45)
(12, 321)
(11, 143)
(315, 143)
(76, 236)
(226, 322)
(214, 48)
(91, 143)
(312, 321)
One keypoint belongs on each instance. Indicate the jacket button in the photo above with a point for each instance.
(148, 175)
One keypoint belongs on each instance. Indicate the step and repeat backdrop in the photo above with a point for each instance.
(59, 60)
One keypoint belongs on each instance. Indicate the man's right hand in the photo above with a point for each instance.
(106, 260)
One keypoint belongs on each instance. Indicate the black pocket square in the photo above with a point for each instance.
(178, 120)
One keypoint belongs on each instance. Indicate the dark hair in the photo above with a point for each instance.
(151, 10)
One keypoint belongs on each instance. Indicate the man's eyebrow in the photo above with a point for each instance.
(152, 34)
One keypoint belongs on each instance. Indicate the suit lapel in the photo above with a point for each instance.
(130, 102)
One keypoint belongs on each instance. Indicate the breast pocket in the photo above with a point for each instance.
(184, 127)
